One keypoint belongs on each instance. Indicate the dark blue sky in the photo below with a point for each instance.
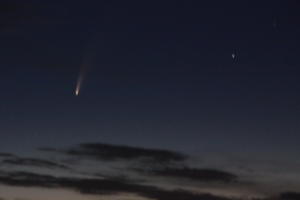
(160, 75)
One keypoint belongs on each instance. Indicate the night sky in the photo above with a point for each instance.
(178, 99)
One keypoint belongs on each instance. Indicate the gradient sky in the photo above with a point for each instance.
(159, 75)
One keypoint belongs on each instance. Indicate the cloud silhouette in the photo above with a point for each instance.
(26, 179)
(151, 162)
(206, 175)
(151, 173)
(109, 152)
(35, 162)
(6, 155)
(99, 186)
(289, 196)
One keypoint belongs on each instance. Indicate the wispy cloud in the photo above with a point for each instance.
(107, 169)
(289, 196)
(99, 186)
(99, 151)
(206, 175)
(6, 155)
(34, 162)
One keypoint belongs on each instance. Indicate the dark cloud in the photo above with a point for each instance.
(151, 162)
(99, 186)
(35, 162)
(26, 179)
(111, 152)
(289, 196)
(206, 175)
(6, 155)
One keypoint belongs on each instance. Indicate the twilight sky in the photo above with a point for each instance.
(208, 90)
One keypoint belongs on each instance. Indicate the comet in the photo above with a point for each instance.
(82, 74)
(77, 91)
(79, 82)
(84, 68)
